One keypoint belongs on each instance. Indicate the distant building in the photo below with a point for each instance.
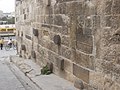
(1, 14)
(6, 14)
(9, 15)
(12, 14)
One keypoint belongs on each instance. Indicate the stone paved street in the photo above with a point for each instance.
(11, 78)
(4, 53)
(8, 80)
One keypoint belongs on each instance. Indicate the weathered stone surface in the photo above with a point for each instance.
(96, 22)
(109, 84)
(86, 39)
(108, 6)
(43, 53)
(56, 29)
(60, 8)
(72, 8)
(90, 38)
(84, 60)
(87, 31)
(66, 52)
(108, 21)
(117, 87)
(81, 73)
(116, 7)
(49, 10)
(81, 21)
(112, 21)
(65, 40)
(97, 80)
(58, 20)
(68, 66)
(53, 47)
(65, 30)
(60, 64)
(88, 22)
(52, 57)
(33, 54)
(84, 48)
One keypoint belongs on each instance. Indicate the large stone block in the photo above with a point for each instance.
(88, 22)
(63, 74)
(108, 7)
(79, 8)
(115, 22)
(43, 53)
(58, 20)
(60, 8)
(108, 21)
(47, 20)
(110, 67)
(59, 1)
(51, 36)
(84, 60)
(116, 7)
(109, 84)
(42, 58)
(65, 30)
(60, 64)
(33, 54)
(49, 10)
(65, 52)
(84, 48)
(81, 21)
(45, 42)
(68, 66)
(52, 57)
(117, 87)
(56, 29)
(86, 39)
(88, 31)
(96, 22)
(75, 8)
(97, 80)
(81, 73)
(65, 40)
(53, 47)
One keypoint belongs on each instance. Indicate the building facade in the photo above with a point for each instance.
(80, 38)
(1, 14)
(9, 15)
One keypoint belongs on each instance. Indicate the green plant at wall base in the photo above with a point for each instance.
(45, 70)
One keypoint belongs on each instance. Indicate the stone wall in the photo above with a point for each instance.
(79, 37)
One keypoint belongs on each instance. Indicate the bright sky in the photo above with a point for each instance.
(7, 5)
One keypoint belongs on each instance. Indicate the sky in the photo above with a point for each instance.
(7, 6)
